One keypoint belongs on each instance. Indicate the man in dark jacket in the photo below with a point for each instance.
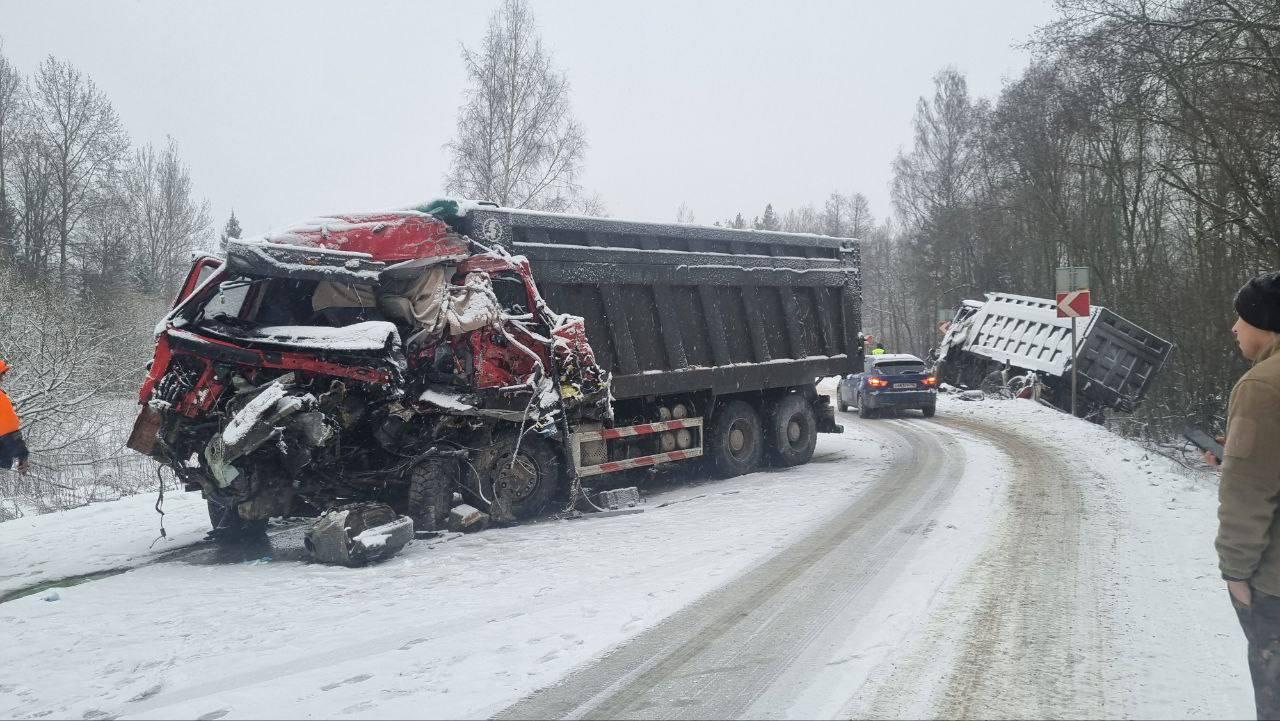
(11, 446)
(1248, 519)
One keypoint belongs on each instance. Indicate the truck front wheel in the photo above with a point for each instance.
(735, 444)
(430, 493)
(792, 431)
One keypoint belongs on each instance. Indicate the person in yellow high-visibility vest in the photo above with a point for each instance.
(878, 349)
(12, 448)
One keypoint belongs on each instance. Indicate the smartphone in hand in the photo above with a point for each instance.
(1203, 441)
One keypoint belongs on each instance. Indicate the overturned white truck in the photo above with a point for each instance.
(1118, 360)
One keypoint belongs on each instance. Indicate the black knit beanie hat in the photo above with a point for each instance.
(1258, 302)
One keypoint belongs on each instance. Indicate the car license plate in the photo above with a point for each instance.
(904, 385)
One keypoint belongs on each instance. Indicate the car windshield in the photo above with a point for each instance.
(900, 367)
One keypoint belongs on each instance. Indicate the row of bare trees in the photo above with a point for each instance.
(94, 236)
(1144, 143)
(77, 204)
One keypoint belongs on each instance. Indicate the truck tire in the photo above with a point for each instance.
(735, 443)
(431, 493)
(227, 524)
(529, 484)
(929, 411)
(791, 431)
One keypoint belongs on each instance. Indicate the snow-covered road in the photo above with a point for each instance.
(998, 560)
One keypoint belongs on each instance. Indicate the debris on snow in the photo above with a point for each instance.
(467, 519)
(358, 533)
(620, 498)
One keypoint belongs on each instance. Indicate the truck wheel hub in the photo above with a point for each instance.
(793, 432)
(737, 440)
(516, 480)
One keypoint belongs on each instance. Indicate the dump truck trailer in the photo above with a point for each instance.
(1118, 360)
(694, 317)
(398, 357)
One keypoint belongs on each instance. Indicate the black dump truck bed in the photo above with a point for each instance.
(1118, 359)
(673, 308)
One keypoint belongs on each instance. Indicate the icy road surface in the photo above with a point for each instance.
(999, 560)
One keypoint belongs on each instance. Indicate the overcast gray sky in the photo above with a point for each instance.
(288, 110)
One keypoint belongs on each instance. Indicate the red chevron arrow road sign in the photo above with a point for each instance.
(1074, 304)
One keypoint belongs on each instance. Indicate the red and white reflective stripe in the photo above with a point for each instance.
(609, 434)
(639, 462)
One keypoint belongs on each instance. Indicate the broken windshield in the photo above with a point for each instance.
(228, 304)
(286, 301)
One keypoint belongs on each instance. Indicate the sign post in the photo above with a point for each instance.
(1073, 302)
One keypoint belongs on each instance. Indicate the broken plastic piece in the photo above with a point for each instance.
(358, 533)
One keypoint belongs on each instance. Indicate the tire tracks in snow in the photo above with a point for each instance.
(1028, 619)
(722, 656)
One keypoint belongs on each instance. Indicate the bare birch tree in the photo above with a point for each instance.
(518, 143)
(81, 132)
(168, 223)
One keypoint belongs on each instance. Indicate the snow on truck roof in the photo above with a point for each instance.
(432, 230)
(387, 236)
(540, 218)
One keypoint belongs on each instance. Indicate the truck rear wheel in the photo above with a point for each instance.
(227, 523)
(431, 493)
(792, 431)
(528, 484)
(735, 444)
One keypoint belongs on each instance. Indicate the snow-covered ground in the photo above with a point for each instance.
(1122, 556)
(466, 626)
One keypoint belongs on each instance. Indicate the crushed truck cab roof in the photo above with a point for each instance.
(385, 237)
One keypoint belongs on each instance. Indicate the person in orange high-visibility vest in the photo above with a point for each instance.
(11, 446)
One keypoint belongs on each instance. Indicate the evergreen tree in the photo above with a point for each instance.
(768, 221)
(738, 222)
(232, 230)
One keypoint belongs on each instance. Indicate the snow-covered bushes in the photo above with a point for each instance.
(76, 365)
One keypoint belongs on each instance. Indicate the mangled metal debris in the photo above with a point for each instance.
(357, 534)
